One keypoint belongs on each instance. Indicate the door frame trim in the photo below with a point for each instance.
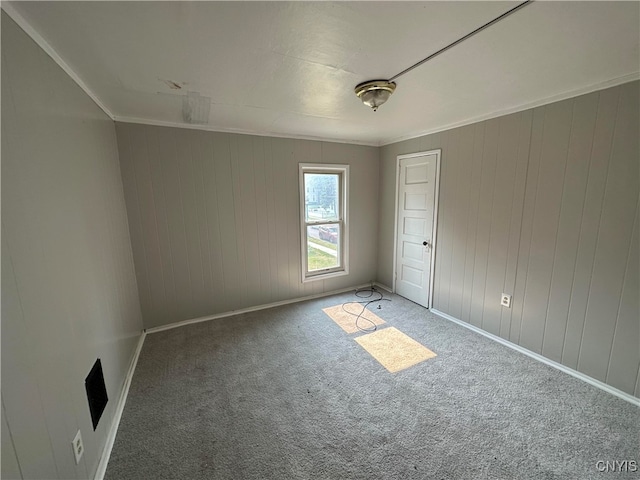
(438, 153)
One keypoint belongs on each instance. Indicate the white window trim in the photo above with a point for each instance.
(344, 203)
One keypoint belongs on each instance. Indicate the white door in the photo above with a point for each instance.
(415, 227)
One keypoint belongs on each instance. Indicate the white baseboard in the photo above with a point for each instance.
(115, 423)
(106, 452)
(251, 309)
(384, 287)
(574, 373)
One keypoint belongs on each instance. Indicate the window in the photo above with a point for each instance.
(323, 213)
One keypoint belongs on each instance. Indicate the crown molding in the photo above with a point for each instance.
(211, 128)
(8, 7)
(10, 10)
(519, 108)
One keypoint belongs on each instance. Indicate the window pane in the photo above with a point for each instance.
(321, 196)
(323, 246)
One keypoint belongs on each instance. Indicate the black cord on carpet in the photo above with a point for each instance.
(365, 303)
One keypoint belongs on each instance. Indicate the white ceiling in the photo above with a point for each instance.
(289, 68)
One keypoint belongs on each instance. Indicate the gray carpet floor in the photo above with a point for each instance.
(285, 393)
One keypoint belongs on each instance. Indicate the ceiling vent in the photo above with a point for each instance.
(195, 108)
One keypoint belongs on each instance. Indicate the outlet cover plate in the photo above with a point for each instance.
(505, 300)
(78, 447)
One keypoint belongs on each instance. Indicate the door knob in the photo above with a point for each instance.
(426, 244)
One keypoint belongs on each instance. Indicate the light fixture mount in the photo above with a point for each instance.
(375, 92)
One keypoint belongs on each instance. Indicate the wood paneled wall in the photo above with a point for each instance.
(69, 292)
(214, 218)
(543, 205)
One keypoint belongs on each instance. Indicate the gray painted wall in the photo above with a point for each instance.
(69, 293)
(214, 218)
(543, 205)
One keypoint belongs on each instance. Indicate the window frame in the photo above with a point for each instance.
(342, 221)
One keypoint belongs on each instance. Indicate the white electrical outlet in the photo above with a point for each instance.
(78, 447)
(505, 300)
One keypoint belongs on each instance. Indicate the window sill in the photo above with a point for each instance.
(324, 276)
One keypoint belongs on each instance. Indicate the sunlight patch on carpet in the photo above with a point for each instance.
(347, 321)
(393, 349)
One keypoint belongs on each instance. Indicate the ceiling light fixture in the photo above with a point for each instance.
(374, 93)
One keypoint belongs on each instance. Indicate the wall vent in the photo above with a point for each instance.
(96, 392)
